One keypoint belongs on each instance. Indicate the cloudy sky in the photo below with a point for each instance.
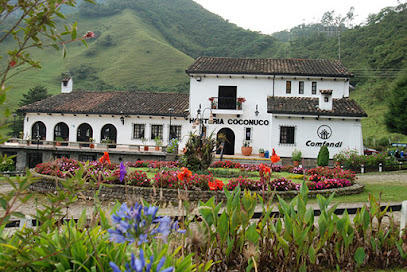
(268, 16)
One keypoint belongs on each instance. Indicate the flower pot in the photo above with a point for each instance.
(296, 163)
(92, 145)
(157, 148)
(247, 150)
(145, 148)
(58, 143)
(337, 164)
(261, 155)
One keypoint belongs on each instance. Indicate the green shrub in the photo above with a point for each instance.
(323, 156)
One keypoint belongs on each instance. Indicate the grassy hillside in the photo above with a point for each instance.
(147, 44)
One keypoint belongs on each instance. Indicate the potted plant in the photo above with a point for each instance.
(246, 148)
(144, 141)
(158, 143)
(239, 102)
(213, 103)
(91, 143)
(58, 140)
(109, 143)
(261, 152)
(296, 157)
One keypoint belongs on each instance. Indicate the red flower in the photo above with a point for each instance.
(264, 168)
(90, 34)
(13, 63)
(185, 174)
(216, 185)
(105, 158)
(274, 158)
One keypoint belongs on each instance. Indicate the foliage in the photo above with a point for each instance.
(37, 93)
(169, 179)
(173, 145)
(323, 156)
(322, 173)
(199, 152)
(296, 155)
(396, 116)
(7, 163)
(293, 242)
(279, 184)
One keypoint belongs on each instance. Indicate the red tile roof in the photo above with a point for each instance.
(309, 106)
(300, 67)
(128, 103)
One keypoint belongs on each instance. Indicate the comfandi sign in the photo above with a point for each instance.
(324, 132)
(245, 122)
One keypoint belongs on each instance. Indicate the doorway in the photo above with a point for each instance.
(229, 148)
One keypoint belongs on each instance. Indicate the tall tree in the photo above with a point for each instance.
(396, 117)
(35, 94)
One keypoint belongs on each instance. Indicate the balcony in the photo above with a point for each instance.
(227, 105)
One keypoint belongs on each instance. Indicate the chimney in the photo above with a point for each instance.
(325, 100)
(66, 86)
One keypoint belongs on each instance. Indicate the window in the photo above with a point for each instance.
(138, 131)
(175, 132)
(287, 135)
(288, 87)
(87, 157)
(314, 88)
(156, 131)
(301, 87)
(248, 134)
(326, 99)
(227, 97)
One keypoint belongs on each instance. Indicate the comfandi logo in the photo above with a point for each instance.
(324, 132)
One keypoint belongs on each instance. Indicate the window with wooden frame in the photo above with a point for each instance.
(288, 87)
(156, 131)
(138, 131)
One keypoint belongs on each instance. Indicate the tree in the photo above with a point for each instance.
(396, 116)
(35, 94)
(27, 24)
(323, 156)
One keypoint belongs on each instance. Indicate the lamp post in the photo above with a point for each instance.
(169, 134)
(200, 119)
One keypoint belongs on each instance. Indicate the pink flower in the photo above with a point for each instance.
(90, 34)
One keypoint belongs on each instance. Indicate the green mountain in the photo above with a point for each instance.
(145, 45)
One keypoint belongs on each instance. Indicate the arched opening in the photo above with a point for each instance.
(85, 132)
(61, 131)
(38, 131)
(108, 134)
(229, 148)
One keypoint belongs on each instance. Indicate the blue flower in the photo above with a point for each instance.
(140, 264)
(122, 172)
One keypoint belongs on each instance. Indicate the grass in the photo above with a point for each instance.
(137, 59)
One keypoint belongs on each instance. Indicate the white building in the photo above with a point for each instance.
(289, 104)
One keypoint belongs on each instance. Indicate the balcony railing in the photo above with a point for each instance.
(17, 142)
(226, 103)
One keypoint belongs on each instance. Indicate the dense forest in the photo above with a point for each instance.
(145, 45)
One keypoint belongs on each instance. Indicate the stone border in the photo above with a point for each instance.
(47, 184)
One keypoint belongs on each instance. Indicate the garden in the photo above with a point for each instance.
(215, 234)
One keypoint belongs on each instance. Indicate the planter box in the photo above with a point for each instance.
(247, 150)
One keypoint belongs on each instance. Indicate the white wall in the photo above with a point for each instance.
(345, 131)
(124, 132)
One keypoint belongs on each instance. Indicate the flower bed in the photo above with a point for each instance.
(319, 178)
